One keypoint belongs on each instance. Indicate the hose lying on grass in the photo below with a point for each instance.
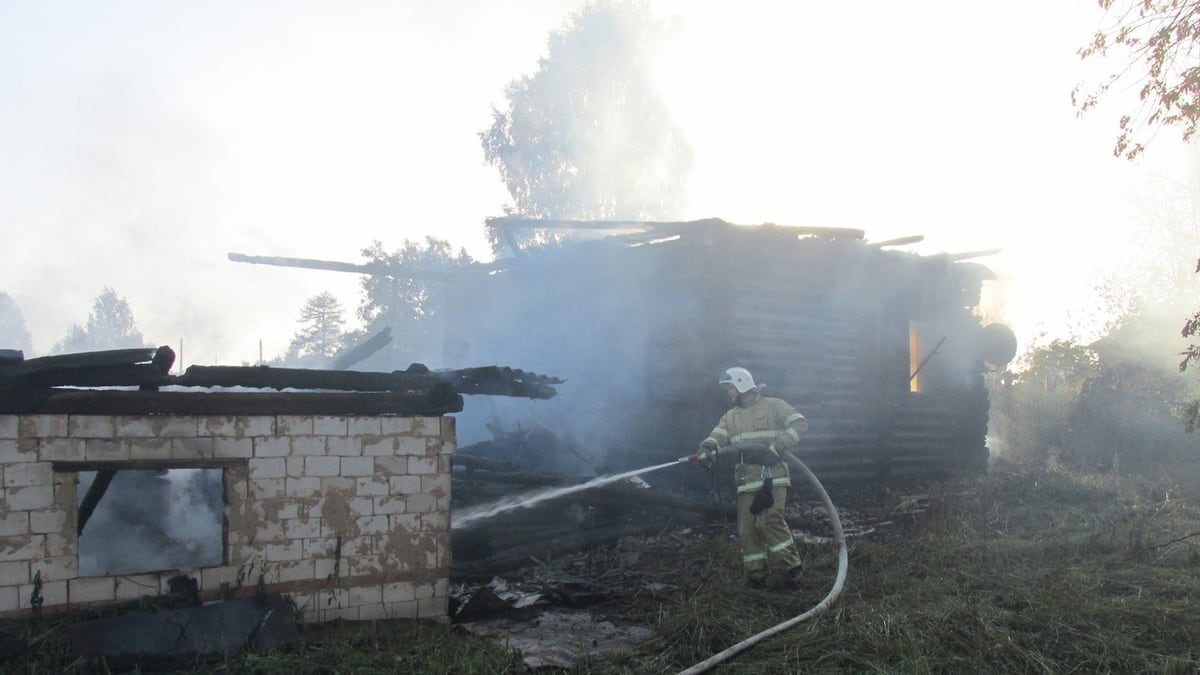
(834, 592)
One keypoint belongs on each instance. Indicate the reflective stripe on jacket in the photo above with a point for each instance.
(765, 420)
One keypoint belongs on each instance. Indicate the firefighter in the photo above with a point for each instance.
(761, 476)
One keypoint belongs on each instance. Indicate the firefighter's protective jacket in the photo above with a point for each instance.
(772, 422)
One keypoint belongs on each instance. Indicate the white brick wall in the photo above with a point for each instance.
(315, 506)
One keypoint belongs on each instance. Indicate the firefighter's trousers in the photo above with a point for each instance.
(766, 539)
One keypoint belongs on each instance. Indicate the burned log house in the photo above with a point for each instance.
(333, 489)
(880, 348)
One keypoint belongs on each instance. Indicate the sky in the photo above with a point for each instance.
(142, 141)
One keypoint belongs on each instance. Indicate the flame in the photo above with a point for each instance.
(914, 357)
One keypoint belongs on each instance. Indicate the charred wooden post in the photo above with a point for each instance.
(94, 494)
(363, 350)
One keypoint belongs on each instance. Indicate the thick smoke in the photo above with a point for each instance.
(154, 520)
(13, 334)
(572, 313)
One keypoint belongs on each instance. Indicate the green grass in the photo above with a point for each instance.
(1042, 572)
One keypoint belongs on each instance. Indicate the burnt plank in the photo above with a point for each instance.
(481, 380)
(267, 377)
(438, 401)
(109, 357)
(122, 375)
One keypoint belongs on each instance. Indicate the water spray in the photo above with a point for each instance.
(471, 515)
(479, 513)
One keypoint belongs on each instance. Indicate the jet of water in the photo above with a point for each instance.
(471, 515)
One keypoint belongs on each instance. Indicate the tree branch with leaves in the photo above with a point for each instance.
(1156, 43)
(1157, 46)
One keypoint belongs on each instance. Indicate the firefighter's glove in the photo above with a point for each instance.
(706, 456)
(782, 442)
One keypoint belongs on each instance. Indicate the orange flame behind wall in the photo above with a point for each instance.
(914, 358)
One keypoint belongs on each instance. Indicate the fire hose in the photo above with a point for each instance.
(834, 592)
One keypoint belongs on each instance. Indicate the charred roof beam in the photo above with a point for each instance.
(380, 269)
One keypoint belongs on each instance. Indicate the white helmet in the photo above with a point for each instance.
(740, 378)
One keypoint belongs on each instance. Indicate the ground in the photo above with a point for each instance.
(605, 598)
(1032, 570)
(1019, 570)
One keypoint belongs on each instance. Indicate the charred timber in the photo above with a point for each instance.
(554, 528)
(375, 269)
(94, 494)
(111, 358)
(473, 462)
(484, 380)
(146, 368)
(363, 349)
(437, 401)
(60, 383)
(145, 376)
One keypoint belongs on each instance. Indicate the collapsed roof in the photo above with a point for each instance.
(131, 381)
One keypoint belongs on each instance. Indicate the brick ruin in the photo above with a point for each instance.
(335, 485)
(348, 516)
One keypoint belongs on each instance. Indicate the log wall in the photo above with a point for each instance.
(643, 332)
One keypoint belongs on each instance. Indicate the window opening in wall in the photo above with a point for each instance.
(151, 520)
(914, 357)
(921, 350)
